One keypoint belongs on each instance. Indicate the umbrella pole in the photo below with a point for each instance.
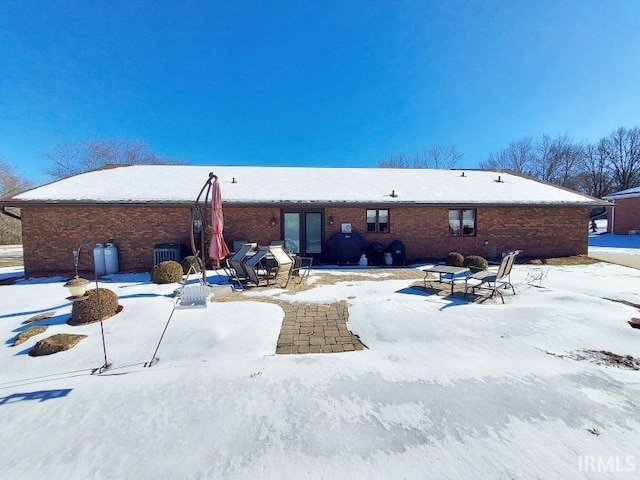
(200, 210)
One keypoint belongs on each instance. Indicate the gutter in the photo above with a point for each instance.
(10, 214)
(301, 203)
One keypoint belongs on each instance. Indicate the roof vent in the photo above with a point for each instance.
(233, 180)
(499, 180)
(393, 194)
(462, 174)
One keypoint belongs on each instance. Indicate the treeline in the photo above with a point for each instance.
(67, 159)
(10, 184)
(609, 165)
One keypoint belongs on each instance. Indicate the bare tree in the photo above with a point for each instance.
(395, 161)
(10, 184)
(69, 159)
(622, 150)
(437, 156)
(556, 160)
(519, 156)
(593, 177)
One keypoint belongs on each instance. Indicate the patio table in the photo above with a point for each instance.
(447, 274)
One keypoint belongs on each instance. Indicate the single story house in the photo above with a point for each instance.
(624, 216)
(432, 212)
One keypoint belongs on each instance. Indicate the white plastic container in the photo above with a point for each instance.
(99, 259)
(111, 258)
(388, 259)
(363, 260)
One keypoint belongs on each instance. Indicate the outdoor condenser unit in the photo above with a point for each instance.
(167, 251)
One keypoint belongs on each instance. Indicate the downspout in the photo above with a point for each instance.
(613, 215)
(10, 214)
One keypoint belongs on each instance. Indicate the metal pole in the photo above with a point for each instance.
(76, 255)
(200, 253)
(150, 363)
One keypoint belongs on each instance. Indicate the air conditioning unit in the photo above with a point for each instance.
(168, 251)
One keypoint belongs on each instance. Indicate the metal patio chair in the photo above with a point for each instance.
(300, 269)
(255, 266)
(235, 263)
(281, 265)
(494, 281)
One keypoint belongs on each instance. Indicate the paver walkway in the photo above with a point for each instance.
(316, 328)
(310, 327)
(322, 328)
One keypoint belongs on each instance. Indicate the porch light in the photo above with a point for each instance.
(331, 220)
(273, 221)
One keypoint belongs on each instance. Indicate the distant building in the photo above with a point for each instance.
(624, 216)
(432, 212)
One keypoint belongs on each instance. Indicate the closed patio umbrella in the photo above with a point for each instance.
(218, 248)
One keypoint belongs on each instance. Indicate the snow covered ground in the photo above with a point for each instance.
(445, 389)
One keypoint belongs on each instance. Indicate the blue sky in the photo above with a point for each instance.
(312, 83)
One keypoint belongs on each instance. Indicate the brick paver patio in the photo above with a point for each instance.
(316, 328)
(322, 328)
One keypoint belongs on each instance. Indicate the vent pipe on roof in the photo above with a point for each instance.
(393, 193)
(462, 175)
(499, 180)
(233, 180)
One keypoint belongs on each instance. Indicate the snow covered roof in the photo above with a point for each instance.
(630, 192)
(258, 185)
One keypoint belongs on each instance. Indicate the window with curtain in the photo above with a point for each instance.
(462, 222)
(377, 220)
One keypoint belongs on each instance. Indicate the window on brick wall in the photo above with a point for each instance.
(462, 222)
(377, 220)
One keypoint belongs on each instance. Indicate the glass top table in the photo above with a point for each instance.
(447, 274)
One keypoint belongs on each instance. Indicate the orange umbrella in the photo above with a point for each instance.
(218, 248)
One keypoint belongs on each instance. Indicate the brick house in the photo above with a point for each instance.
(624, 216)
(432, 212)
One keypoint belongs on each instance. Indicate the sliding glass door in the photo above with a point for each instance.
(303, 232)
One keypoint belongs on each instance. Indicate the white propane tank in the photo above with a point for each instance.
(363, 260)
(111, 258)
(98, 259)
(388, 259)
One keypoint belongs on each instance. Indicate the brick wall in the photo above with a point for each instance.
(539, 232)
(51, 233)
(627, 215)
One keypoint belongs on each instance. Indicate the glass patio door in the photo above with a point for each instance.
(303, 232)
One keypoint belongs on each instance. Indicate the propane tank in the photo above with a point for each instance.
(111, 258)
(99, 259)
